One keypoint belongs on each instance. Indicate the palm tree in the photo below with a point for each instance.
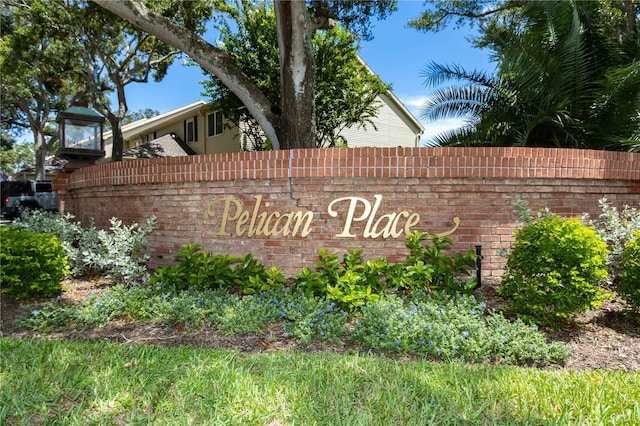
(562, 81)
(619, 107)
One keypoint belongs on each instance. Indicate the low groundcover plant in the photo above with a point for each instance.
(440, 326)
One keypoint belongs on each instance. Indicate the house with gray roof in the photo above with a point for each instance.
(198, 128)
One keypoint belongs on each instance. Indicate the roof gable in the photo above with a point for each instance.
(165, 146)
(145, 125)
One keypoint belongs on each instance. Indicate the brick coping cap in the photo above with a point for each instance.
(445, 162)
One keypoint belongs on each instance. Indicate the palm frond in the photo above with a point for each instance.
(462, 136)
(552, 87)
(438, 74)
(456, 102)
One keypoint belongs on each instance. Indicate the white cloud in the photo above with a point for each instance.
(436, 127)
(414, 102)
(431, 128)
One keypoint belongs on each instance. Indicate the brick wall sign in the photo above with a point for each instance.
(234, 219)
(283, 206)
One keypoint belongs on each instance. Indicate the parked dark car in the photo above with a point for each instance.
(27, 194)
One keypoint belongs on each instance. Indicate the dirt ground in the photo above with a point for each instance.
(605, 338)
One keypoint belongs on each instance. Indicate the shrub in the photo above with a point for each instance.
(429, 265)
(451, 327)
(68, 232)
(352, 282)
(130, 303)
(41, 221)
(629, 285)
(307, 317)
(252, 277)
(616, 228)
(116, 252)
(349, 283)
(422, 323)
(31, 264)
(198, 270)
(553, 270)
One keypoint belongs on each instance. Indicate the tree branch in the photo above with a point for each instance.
(209, 57)
(513, 5)
(447, 13)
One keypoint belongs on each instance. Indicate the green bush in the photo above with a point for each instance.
(352, 282)
(31, 264)
(629, 285)
(47, 222)
(616, 228)
(422, 323)
(199, 270)
(451, 327)
(116, 252)
(554, 270)
(196, 270)
(429, 265)
(349, 283)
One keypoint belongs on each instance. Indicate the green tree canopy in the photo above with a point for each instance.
(38, 73)
(116, 53)
(17, 157)
(346, 90)
(440, 14)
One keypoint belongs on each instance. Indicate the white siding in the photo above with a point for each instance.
(392, 129)
(227, 141)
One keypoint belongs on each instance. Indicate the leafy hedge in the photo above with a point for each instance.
(554, 270)
(117, 252)
(349, 283)
(31, 264)
(629, 286)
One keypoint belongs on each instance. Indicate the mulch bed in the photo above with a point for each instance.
(605, 338)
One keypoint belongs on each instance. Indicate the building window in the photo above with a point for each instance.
(151, 136)
(214, 123)
(190, 130)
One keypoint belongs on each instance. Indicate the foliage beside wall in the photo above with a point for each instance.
(554, 270)
(31, 264)
(629, 286)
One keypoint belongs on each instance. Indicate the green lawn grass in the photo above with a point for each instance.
(75, 383)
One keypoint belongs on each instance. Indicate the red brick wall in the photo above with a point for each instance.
(478, 185)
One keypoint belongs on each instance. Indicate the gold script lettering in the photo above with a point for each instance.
(225, 214)
(353, 202)
(255, 222)
(411, 221)
(387, 225)
(456, 224)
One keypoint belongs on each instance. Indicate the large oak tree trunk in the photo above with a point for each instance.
(295, 30)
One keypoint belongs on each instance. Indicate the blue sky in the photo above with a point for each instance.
(397, 54)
